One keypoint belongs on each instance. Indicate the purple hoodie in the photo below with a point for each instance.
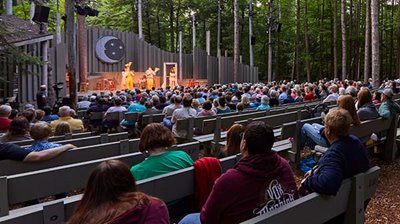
(256, 185)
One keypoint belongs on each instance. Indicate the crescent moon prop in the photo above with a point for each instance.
(101, 49)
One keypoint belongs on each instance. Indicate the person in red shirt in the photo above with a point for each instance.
(5, 112)
(309, 93)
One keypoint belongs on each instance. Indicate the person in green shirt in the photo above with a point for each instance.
(388, 106)
(155, 141)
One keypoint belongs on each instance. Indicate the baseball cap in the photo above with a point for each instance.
(387, 92)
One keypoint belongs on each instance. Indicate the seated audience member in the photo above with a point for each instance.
(352, 91)
(111, 196)
(149, 110)
(366, 109)
(233, 139)
(196, 105)
(246, 102)
(175, 104)
(40, 132)
(18, 131)
(388, 106)
(62, 129)
(207, 110)
(14, 113)
(100, 106)
(264, 103)
(333, 96)
(222, 108)
(283, 95)
(162, 104)
(5, 112)
(84, 103)
(200, 98)
(39, 115)
(289, 98)
(155, 141)
(309, 93)
(14, 152)
(117, 106)
(315, 132)
(186, 112)
(249, 189)
(345, 157)
(239, 107)
(29, 114)
(273, 101)
(48, 116)
(65, 116)
(377, 98)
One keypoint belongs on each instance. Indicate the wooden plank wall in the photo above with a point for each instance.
(144, 55)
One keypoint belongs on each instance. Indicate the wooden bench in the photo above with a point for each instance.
(56, 138)
(87, 153)
(94, 140)
(315, 208)
(18, 188)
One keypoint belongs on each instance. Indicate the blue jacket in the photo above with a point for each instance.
(344, 158)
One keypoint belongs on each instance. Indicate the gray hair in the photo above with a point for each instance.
(64, 111)
(5, 110)
(264, 99)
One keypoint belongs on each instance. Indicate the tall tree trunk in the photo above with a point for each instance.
(177, 24)
(148, 22)
(307, 47)
(321, 40)
(297, 53)
(236, 39)
(398, 42)
(335, 63)
(171, 25)
(70, 31)
(344, 39)
(367, 38)
(159, 27)
(82, 53)
(391, 51)
(375, 43)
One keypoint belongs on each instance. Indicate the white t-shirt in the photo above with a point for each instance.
(182, 113)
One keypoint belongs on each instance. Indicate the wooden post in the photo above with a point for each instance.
(53, 213)
(390, 144)
(70, 33)
(4, 209)
(355, 207)
(82, 53)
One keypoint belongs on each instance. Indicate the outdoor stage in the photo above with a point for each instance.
(107, 82)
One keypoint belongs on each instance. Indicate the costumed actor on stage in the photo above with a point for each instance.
(128, 76)
(172, 78)
(150, 73)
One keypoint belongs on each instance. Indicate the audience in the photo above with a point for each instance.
(65, 116)
(62, 129)
(182, 113)
(260, 182)
(345, 157)
(222, 108)
(5, 112)
(40, 132)
(17, 131)
(388, 107)
(48, 116)
(366, 109)
(233, 139)
(207, 110)
(10, 151)
(111, 196)
(155, 141)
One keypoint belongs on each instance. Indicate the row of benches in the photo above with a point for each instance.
(313, 208)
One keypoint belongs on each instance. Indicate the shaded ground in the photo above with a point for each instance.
(385, 205)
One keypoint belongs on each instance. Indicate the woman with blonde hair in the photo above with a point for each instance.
(111, 196)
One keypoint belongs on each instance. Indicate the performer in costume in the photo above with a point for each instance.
(142, 82)
(172, 78)
(128, 76)
(123, 86)
(150, 73)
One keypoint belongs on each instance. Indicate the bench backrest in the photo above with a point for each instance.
(81, 154)
(152, 118)
(315, 208)
(18, 188)
(56, 138)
